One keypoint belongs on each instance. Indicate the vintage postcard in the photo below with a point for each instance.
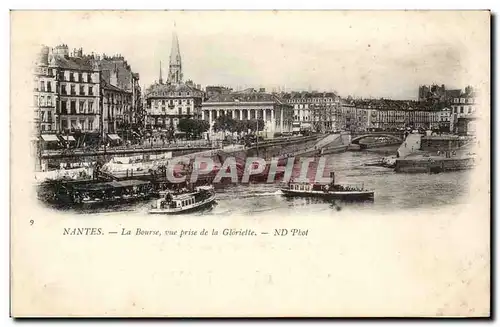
(250, 163)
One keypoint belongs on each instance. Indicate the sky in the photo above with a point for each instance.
(367, 54)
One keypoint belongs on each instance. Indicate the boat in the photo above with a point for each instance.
(95, 193)
(112, 192)
(202, 197)
(332, 191)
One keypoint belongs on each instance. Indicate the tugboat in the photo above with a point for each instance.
(202, 197)
(332, 191)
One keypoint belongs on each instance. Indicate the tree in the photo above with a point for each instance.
(193, 128)
(225, 123)
(253, 123)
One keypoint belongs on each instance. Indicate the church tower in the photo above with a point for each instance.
(161, 78)
(175, 67)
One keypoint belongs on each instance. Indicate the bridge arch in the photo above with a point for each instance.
(356, 139)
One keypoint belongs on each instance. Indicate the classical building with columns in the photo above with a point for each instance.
(251, 104)
(167, 103)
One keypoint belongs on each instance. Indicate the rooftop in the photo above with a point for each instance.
(84, 63)
(157, 90)
(248, 95)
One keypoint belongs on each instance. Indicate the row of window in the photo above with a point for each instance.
(462, 110)
(171, 102)
(81, 124)
(45, 89)
(47, 127)
(84, 107)
(463, 100)
(315, 100)
(179, 111)
(81, 77)
(46, 116)
(42, 101)
(160, 121)
(73, 89)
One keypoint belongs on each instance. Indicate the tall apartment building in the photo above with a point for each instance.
(77, 93)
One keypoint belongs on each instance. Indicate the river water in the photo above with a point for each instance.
(392, 191)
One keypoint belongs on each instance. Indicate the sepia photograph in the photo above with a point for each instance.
(250, 163)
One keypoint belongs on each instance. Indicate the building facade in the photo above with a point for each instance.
(464, 108)
(248, 105)
(116, 104)
(78, 105)
(167, 103)
(321, 110)
(45, 95)
(72, 89)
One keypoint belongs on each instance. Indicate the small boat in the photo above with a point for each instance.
(202, 197)
(332, 191)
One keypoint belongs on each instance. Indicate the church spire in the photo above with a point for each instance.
(175, 67)
(161, 78)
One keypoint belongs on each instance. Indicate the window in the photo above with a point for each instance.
(461, 109)
(64, 107)
(71, 77)
(49, 100)
(171, 102)
(91, 109)
(82, 124)
(162, 102)
(49, 116)
(82, 90)
(91, 123)
(42, 86)
(49, 87)
(61, 76)
(73, 92)
(82, 106)
(51, 72)
(180, 111)
(73, 107)
(49, 127)
(188, 111)
(91, 90)
(63, 89)
(43, 128)
(64, 124)
(73, 123)
(470, 110)
(80, 77)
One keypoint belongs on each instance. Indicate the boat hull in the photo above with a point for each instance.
(176, 211)
(342, 196)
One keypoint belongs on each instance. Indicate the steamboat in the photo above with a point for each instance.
(332, 191)
(203, 197)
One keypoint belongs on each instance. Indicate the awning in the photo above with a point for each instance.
(68, 138)
(114, 137)
(49, 138)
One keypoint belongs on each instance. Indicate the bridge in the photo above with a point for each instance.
(396, 137)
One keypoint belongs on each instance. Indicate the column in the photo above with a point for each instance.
(273, 125)
(210, 116)
(203, 115)
(281, 120)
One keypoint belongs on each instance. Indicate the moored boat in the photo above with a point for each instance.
(332, 191)
(202, 197)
